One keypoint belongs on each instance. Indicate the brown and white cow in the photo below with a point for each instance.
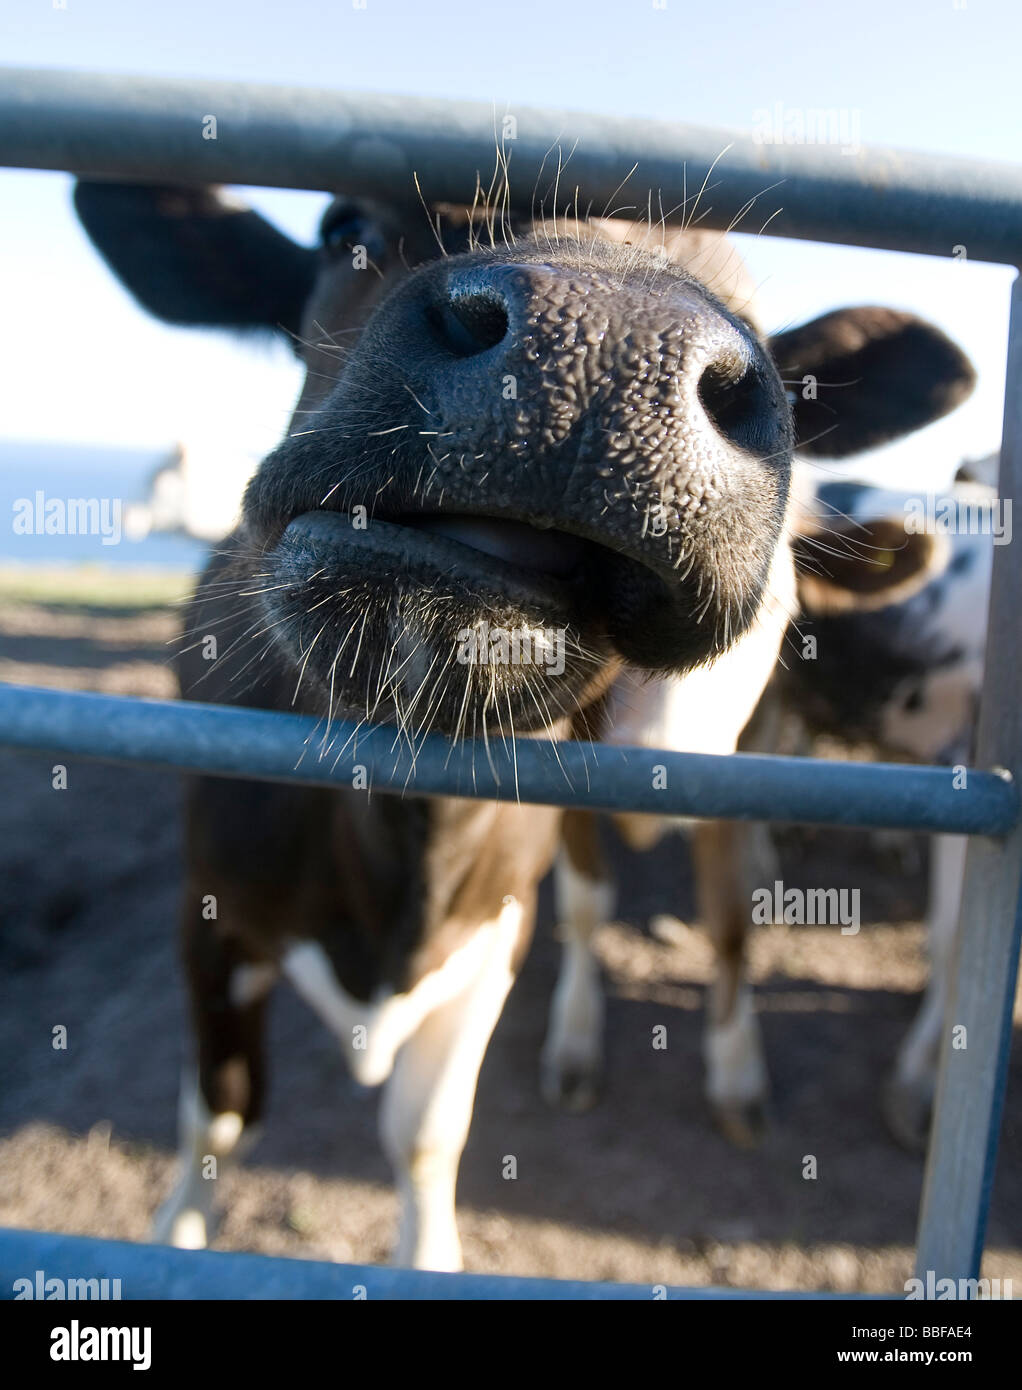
(551, 430)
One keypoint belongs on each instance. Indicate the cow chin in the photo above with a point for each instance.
(409, 622)
(400, 627)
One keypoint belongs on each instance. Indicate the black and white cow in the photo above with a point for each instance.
(901, 668)
(575, 434)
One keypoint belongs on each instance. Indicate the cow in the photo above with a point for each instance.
(897, 664)
(886, 603)
(573, 432)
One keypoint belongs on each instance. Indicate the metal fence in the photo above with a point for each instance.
(142, 128)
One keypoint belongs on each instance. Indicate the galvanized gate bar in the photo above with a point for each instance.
(161, 1272)
(287, 748)
(970, 1098)
(142, 127)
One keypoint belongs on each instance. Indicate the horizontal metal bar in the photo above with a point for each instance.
(160, 1272)
(141, 127)
(248, 743)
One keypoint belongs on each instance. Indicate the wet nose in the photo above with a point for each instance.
(489, 318)
(471, 316)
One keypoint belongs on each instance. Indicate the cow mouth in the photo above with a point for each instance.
(485, 567)
(520, 559)
(556, 554)
(373, 607)
(454, 621)
(362, 604)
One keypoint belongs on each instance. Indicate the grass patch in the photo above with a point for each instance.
(100, 586)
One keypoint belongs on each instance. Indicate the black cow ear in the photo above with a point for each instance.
(865, 376)
(191, 256)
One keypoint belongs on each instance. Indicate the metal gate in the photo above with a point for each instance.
(150, 129)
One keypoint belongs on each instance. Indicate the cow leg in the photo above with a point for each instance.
(427, 1102)
(221, 1099)
(572, 1057)
(736, 1076)
(908, 1097)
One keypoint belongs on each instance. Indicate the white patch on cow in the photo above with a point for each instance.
(735, 1070)
(705, 710)
(941, 716)
(224, 1132)
(427, 1104)
(185, 1218)
(573, 1050)
(949, 621)
(388, 1019)
(583, 903)
(249, 983)
(187, 1232)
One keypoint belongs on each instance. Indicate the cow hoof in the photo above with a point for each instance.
(908, 1111)
(183, 1226)
(185, 1230)
(571, 1083)
(443, 1257)
(742, 1123)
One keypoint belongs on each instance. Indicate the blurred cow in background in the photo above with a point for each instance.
(900, 667)
(897, 617)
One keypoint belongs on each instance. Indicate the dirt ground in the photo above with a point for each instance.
(640, 1189)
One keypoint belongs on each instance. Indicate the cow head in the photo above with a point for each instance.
(566, 435)
(888, 646)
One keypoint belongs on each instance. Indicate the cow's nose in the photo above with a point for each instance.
(734, 390)
(472, 316)
(487, 320)
(474, 309)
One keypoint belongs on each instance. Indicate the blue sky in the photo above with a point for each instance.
(78, 361)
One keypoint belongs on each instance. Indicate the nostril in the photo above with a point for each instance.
(738, 402)
(471, 323)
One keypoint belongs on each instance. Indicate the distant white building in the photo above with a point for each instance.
(196, 490)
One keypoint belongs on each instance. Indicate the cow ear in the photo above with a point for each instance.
(191, 256)
(864, 376)
(856, 566)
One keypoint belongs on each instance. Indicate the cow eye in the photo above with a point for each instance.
(346, 226)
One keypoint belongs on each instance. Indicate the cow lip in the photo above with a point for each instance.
(543, 551)
(441, 542)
